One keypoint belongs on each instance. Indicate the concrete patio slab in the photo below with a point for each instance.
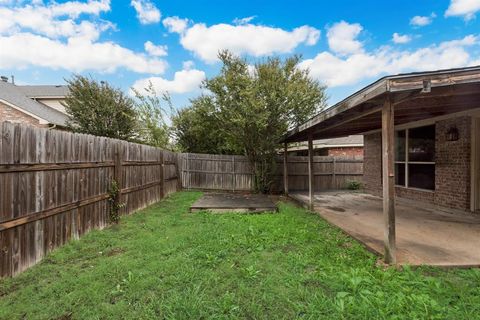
(234, 202)
(425, 235)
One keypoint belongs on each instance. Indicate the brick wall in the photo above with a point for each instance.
(13, 115)
(452, 164)
(372, 163)
(415, 194)
(452, 167)
(345, 151)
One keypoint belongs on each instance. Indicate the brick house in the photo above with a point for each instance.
(429, 166)
(421, 140)
(336, 147)
(34, 105)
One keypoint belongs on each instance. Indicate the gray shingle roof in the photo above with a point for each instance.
(44, 91)
(16, 96)
(349, 140)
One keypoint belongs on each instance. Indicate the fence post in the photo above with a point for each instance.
(334, 179)
(285, 169)
(162, 176)
(311, 173)
(179, 170)
(118, 170)
(234, 177)
(187, 172)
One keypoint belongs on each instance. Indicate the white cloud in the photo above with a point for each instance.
(175, 24)
(154, 50)
(189, 64)
(336, 70)
(56, 20)
(76, 54)
(183, 81)
(465, 8)
(342, 37)
(147, 12)
(255, 40)
(401, 39)
(65, 36)
(246, 20)
(421, 21)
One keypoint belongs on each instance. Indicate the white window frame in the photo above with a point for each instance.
(406, 162)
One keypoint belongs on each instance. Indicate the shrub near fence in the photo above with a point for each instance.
(233, 173)
(54, 186)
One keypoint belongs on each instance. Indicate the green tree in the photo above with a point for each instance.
(253, 107)
(99, 109)
(152, 111)
(197, 129)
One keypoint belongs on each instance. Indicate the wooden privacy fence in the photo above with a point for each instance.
(54, 187)
(329, 173)
(233, 173)
(216, 172)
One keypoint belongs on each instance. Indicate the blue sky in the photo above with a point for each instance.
(345, 44)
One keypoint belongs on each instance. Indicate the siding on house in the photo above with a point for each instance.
(452, 167)
(54, 103)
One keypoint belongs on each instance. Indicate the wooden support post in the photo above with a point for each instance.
(162, 175)
(310, 171)
(388, 132)
(285, 169)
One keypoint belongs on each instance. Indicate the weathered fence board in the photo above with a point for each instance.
(233, 173)
(54, 187)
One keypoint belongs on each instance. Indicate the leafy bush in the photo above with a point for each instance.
(354, 185)
(113, 200)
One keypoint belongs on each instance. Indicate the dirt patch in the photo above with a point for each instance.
(346, 245)
(115, 251)
(318, 284)
(287, 248)
(336, 209)
(66, 316)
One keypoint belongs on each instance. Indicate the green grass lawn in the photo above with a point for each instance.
(164, 262)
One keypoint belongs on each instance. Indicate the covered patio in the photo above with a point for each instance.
(421, 144)
(425, 235)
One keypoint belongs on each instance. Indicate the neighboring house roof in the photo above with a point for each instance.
(44, 91)
(16, 97)
(344, 142)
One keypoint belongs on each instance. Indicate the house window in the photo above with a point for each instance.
(415, 158)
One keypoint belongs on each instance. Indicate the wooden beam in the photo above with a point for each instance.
(30, 167)
(285, 168)
(8, 224)
(388, 177)
(310, 171)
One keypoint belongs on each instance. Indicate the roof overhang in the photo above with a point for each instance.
(415, 96)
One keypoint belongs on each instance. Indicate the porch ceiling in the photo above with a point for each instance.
(451, 91)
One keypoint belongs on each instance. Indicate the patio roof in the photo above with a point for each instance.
(414, 96)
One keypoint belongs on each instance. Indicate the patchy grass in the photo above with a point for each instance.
(166, 263)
